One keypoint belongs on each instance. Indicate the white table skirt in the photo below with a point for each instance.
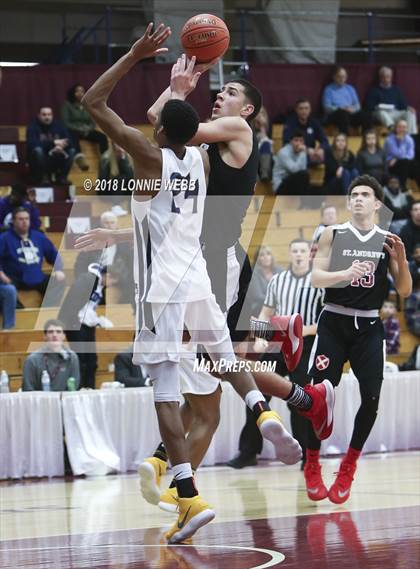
(31, 435)
(113, 430)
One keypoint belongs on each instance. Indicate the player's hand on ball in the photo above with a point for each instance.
(260, 345)
(149, 44)
(184, 77)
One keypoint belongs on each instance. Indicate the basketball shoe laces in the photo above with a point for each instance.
(345, 475)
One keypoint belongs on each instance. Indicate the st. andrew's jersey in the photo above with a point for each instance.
(348, 246)
(168, 260)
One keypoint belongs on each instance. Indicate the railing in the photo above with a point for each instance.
(370, 47)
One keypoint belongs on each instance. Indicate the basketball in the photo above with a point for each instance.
(205, 36)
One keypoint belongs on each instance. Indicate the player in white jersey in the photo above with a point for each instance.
(167, 306)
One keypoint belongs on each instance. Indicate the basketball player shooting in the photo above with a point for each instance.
(172, 285)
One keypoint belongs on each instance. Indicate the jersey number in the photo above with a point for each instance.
(187, 193)
(369, 279)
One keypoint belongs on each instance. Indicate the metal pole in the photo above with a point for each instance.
(243, 34)
(370, 38)
(221, 75)
(108, 14)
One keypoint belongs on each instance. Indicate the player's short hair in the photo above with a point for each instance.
(53, 322)
(370, 182)
(179, 120)
(252, 94)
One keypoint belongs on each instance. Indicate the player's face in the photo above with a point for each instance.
(299, 255)
(362, 202)
(54, 337)
(231, 102)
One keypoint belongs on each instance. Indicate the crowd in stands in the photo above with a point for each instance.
(53, 145)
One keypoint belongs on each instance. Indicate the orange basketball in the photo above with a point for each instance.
(205, 36)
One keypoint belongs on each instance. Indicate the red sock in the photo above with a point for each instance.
(352, 455)
(312, 455)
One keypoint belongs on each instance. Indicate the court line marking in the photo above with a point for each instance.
(276, 556)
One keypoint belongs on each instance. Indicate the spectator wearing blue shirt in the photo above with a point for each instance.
(22, 251)
(18, 197)
(387, 103)
(314, 136)
(399, 151)
(50, 153)
(342, 106)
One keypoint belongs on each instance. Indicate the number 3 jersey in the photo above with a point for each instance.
(168, 260)
(349, 246)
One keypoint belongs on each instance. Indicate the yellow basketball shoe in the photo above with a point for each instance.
(193, 514)
(150, 472)
(287, 448)
(168, 500)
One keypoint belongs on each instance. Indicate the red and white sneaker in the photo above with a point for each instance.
(315, 487)
(340, 490)
(321, 414)
(288, 331)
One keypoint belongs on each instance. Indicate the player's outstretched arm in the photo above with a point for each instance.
(95, 99)
(398, 265)
(322, 277)
(100, 238)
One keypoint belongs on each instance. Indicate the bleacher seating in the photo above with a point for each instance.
(272, 220)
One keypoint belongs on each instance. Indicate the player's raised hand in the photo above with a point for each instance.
(95, 239)
(184, 77)
(149, 45)
(395, 247)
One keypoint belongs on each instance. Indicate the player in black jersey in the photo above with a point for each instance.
(352, 264)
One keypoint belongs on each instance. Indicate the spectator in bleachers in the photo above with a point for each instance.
(413, 362)
(388, 104)
(391, 327)
(18, 197)
(8, 298)
(120, 255)
(328, 217)
(261, 125)
(399, 150)
(290, 173)
(414, 265)
(342, 106)
(371, 158)
(22, 251)
(315, 140)
(80, 319)
(412, 310)
(126, 372)
(55, 357)
(80, 124)
(410, 232)
(398, 201)
(116, 164)
(263, 271)
(50, 152)
(340, 166)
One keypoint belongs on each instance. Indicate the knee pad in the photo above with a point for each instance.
(164, 377)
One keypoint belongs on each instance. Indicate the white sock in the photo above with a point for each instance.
(181, 471)
(253, 397)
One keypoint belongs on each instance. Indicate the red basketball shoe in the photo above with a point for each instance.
(340, 490)
(321, 413)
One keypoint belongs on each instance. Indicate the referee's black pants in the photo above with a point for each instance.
(250, 440)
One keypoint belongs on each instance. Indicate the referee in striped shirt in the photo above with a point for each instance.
(287, 293)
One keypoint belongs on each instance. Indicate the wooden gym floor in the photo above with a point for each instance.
(263, 519)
